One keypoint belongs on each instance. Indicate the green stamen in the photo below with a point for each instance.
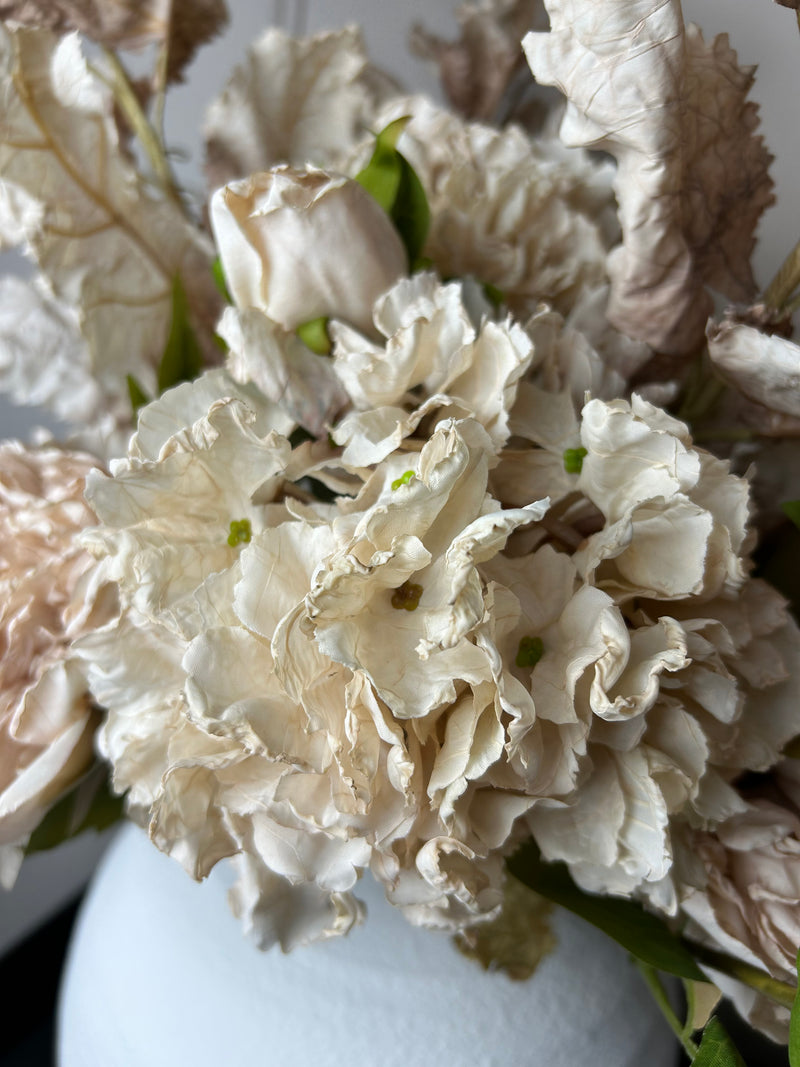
(241, 532)
(530, 651)
(406, 598)
(404, 479)
(573, 460)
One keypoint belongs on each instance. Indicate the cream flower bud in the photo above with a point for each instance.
(302, 244)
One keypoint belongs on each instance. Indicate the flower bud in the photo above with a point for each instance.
(303, 244)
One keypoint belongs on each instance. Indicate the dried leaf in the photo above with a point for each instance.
(193, 23)
(292, 101)
(692, 175)
(763, 367)
(477, 69)
(518, 939)
(702, 998)
(108, 246)
(127, 24)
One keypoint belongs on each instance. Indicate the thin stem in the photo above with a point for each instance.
(785, 281)
(129, 102)
(160, 80)
(650, 976)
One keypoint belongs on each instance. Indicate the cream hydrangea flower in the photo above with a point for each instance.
(253, 708)
(677, 709)
(694, 682)
(664, 519)
(675, 516)
(48, 598)
(442, 356)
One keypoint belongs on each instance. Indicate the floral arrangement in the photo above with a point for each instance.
(424, 500)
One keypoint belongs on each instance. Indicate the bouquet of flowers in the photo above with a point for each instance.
(428, 493)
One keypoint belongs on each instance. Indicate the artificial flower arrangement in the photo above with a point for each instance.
(420, 508)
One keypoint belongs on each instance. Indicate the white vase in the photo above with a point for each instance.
(160, 975)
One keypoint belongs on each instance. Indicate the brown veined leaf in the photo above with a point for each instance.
(109, 246)
(692, 177)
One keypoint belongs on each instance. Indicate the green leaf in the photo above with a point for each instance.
(393, 182)
(219, 279)
(794, 1029)
(182, 360)
(791, 510)
(644, 935)
(90, 805)
(716, 1048)
(314, 335)
(138, 396)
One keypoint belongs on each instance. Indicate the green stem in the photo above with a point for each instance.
(160, 81)
(132, 109)
(655, 986)
(780, 992)
(785, 281)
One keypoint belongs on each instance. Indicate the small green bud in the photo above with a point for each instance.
(404, 479)
(573, 460)
(241, 532)
(406, 598)
(314, 335)
(530, 651)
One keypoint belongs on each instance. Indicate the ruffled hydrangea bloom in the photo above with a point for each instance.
(412, 678)
(314, 688)
(48, 598)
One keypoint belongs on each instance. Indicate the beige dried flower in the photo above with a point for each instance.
(48, 597)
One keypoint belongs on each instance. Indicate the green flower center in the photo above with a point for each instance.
(241, 532)
(530, 651)
(573, 460)
(406, 598)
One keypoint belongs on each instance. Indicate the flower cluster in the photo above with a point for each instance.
(411, 555)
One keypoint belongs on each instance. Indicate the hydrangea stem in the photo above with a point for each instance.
(654, 984)
(780, 992)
